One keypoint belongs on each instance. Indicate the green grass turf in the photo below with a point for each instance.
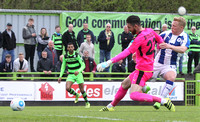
(79, 113)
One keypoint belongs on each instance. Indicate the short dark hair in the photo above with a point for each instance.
(31, 19)
(88, 34)
(57, 26)
(70, 43)
(8, 56)
(133, 20)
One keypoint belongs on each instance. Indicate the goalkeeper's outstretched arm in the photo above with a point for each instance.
(120, 56)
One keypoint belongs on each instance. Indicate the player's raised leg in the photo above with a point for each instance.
(170, 77)
(125, 85)
(137, 95)
(71, 91)
(138, 79)
(81, 87)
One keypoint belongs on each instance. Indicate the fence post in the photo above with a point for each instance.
(91, 76)
(197, 101)
(185, 92)
(14, 76)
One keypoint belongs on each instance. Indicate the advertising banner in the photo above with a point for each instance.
(99, 91)
(10, 90)
(97, 22)
(96, 91)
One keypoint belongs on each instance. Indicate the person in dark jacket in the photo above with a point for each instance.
(118, 67)
(82, 34)
(106, 43)
(194, 50)
(45, 65)
(42, 40)
(29, 36)
(1, 40)
(51, 53)
(126, 38)
(59, 64)
(90, 65)
(9, 42)
(131, 66)
(7, 64)
(69, 36)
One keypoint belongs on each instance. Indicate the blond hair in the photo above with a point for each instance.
(45, 35)
(181, 21)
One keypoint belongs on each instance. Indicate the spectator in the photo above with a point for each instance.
(90, 65)
(29, 37)
(7, 64)
(1, 40)
(164, 28)
(69, 36)
(51, 53)
(194, 50)
(126, 38)
(118, 67)
(157, 30)
(131, 66)
(9, 42)
(106, 43)
(57, 40)
(20, 64)
(42, 40)
(87, 46)
(59, 64)
(132, 63)
(82, 35)
(181, 64)
(44, 64)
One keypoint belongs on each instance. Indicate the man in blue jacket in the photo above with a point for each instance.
(106, 43)
(82, 35)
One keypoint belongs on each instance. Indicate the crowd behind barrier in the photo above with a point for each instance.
(56, 45)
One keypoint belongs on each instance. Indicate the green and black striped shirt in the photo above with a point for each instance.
(74, 63)
(57, 39)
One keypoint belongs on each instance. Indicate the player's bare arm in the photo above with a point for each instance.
(178, 49)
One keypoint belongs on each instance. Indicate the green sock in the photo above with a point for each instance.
(85, 96)
(72, 92)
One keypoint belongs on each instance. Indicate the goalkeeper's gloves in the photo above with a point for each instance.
(102, 66)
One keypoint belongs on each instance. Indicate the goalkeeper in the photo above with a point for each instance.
(75, 67)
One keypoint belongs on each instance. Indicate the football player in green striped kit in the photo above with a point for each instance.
(75, 67)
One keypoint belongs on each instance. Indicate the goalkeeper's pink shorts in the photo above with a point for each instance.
(140, 77)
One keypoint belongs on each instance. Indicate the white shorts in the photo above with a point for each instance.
(159, 70)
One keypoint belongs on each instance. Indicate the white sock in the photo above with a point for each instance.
(166, 89)
(163, 100)
(109, 105)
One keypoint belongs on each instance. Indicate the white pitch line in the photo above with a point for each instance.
(91, 117)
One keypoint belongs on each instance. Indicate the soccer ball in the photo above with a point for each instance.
(181, 10)
(17, 104)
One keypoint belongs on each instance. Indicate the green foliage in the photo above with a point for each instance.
(158, 6)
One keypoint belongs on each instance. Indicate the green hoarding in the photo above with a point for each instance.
(97, 22)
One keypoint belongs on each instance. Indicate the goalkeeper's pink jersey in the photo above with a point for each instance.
(144, 46)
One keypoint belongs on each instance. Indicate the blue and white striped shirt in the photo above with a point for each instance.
(168, 56)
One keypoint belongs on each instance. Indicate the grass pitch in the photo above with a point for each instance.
(80, 114)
